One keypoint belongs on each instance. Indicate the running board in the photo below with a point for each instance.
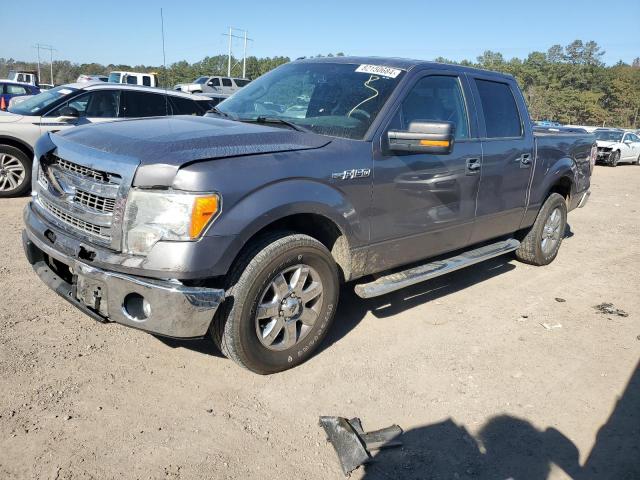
(398, 280)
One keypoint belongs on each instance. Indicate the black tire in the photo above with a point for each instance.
(531, 250)
(614, 158)
(235, 330)
(11, 157)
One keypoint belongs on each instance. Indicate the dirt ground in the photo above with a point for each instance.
(501, 370)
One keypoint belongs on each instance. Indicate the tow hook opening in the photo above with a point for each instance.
(49, 235)
(85, 254)
(136, 307)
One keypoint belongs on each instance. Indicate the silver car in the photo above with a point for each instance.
(77, 104)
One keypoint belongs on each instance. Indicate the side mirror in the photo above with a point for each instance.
(68, 115)
(423, 136)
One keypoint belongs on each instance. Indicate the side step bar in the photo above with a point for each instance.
(398, 280)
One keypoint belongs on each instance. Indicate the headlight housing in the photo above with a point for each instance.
(155, 215)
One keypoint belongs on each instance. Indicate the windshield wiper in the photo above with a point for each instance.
(276, 120)
(222, 114)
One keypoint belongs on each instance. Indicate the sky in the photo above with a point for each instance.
(129, 32)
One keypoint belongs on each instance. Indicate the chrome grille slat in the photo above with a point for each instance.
(94, 202)
(75, 222)
(82, 170)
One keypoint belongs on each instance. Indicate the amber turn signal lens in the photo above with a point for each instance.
(204, 209)
(434, 143)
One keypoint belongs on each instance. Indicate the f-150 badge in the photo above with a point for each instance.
(353, 173)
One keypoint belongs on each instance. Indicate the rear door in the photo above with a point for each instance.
(507, 157)
(627, 148)
(424, 204)
(137, 104)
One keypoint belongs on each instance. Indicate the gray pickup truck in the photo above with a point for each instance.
(241, 225)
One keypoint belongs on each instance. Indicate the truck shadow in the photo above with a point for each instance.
(352, 309)
(507, 447)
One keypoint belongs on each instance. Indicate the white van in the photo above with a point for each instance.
(134, 78)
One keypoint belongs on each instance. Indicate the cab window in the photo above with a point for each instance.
(437, 98)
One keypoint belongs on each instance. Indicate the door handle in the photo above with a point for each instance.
(473, 166)
(525, 160)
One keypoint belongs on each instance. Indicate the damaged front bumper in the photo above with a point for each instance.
(162, 307)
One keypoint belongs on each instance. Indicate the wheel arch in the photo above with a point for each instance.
(19, 144)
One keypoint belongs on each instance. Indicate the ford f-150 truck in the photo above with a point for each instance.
(241, 225)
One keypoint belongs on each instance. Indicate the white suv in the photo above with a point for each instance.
(219, 85)
(77, 104)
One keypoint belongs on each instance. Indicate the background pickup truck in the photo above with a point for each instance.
(242, 224)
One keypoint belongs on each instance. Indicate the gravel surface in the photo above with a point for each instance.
(500, 370)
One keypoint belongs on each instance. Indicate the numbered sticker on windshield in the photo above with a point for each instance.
(379, 70)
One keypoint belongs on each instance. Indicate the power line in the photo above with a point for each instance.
(246, 39)
(41, 46)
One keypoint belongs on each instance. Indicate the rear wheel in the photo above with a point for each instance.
(15, 172)
(614, 158)
(541, 244)
(281, 299)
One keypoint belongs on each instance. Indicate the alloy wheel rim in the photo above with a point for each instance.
(289, 307)
(12, 172)
(551, 231)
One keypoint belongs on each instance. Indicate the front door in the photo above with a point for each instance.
(424, 204)
(93, 107)
(507, 158)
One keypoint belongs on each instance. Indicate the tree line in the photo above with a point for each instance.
(570, 84)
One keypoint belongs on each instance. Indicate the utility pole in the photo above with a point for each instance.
(39, 46)
(246, 39)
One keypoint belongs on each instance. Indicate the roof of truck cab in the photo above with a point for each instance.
(403, 64)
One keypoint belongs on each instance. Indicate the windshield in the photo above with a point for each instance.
(609, 135)
(200, 80)
(333, 99)
(114, 77)
(36, 104)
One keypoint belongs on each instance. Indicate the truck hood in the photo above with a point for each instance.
(162, 145)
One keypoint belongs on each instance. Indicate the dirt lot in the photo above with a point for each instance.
(465, 364)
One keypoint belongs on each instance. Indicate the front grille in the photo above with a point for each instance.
(81, 199)
(73, 221)
(94, 202)
(82, 170)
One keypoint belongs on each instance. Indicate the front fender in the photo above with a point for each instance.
(275, 201)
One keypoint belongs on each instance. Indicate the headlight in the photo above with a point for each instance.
(152, 216)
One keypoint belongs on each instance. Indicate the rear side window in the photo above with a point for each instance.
(16, 89)
(185, 106)
(501, 117)
(241, 82)
(146, 80)
(143, 104)
(437, 98)
(226, 82)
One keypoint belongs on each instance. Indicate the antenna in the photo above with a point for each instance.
(164, 63)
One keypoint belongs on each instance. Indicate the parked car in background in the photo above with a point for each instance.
(9, 90)
(547, 123)
(78, 104)
(215, 84)
(92, 78)
(134, 78)
(321, 171)
(615, 145)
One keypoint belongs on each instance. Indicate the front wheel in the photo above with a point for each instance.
(614, 158)
(281, 300)
(15, 172)
(541, 244)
